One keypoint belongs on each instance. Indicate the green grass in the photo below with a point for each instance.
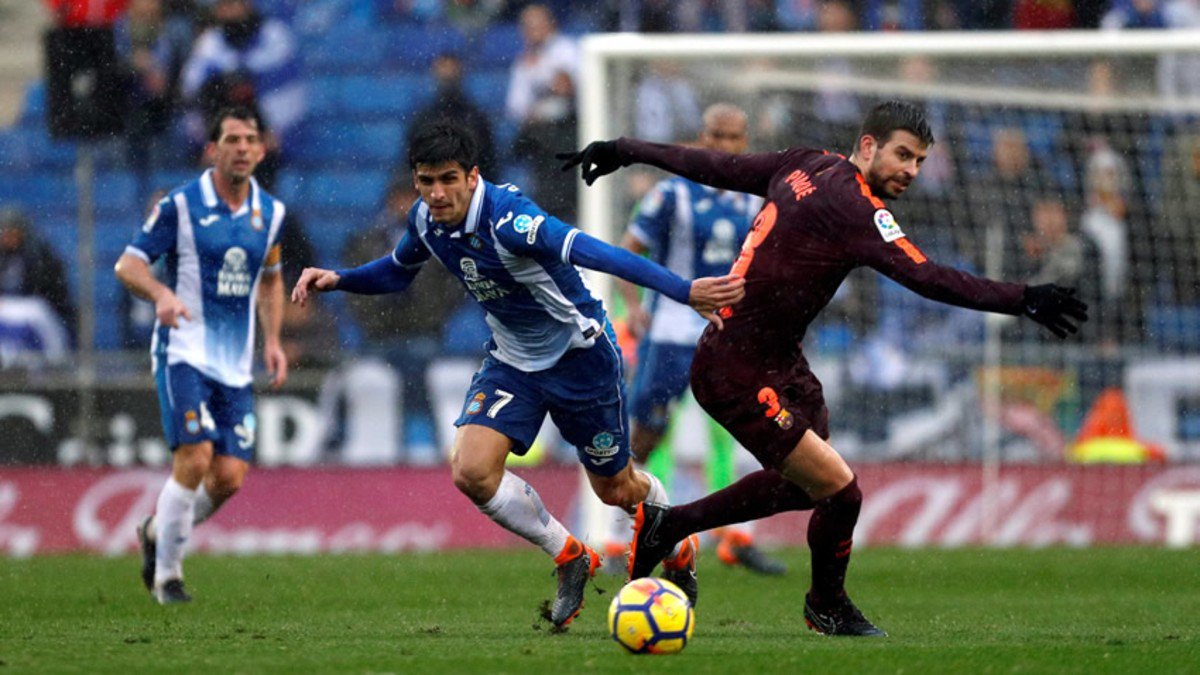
(1121, 610)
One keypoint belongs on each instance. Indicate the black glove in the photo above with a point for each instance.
(1052, 306)
(598, 159)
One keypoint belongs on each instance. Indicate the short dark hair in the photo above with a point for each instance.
(894, 115)
(440, 142)
(236, 112)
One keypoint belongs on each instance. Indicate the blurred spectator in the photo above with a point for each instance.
(541, 100)
(246, 59)
(837, 110)
(643, 16)
(153, 48)
(408, 333)
(666, 109)
(1053, 255)
(1001, 192)
(797, 15)
(451, 103)
(35, 306)
(1180, 204)
(1043, 15)
(1103, 224)
(472, 17)
(726, 16)
(1134, 14)
(1179, 74)
(86, 13)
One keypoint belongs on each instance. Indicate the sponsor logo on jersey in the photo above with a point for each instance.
(481, 287)
(209, 220)
(234, 278)
(886, 223)
(801, 184)
(604, 444)
(528, 226)
(476, 403)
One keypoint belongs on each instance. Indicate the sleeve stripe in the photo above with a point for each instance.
(566, 248)
(911, 250)
(273, 269)
(137, 253)
(866, 192)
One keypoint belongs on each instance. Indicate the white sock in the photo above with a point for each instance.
(204, 505)
(173, 525)
(517, 508)
(657, 493)
(200, 513)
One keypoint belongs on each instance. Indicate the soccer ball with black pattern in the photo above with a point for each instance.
(651, 616)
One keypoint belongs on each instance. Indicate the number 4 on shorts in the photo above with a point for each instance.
(505, 399)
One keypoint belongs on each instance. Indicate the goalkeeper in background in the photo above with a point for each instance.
(695, 231)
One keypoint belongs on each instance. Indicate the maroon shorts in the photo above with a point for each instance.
(767, 406)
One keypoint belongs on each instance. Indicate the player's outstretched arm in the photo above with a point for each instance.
(314, 280)
(270, 317)
(708, 296)
(740, 173)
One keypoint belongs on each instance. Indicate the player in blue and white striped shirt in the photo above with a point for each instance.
(220, 236)
(552, 348)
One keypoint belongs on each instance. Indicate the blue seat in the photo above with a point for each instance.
(360, 190)
(498, 46)
(488, 89)
(327, 230)
(336, 144)
(1174, 327)
(346, 48)
(412, 46)
(324, 96)
(115, 193)
(33, 107)
(394, 97)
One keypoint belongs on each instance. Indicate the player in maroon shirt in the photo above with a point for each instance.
(824, 216)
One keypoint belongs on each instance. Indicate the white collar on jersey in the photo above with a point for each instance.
(209, 192)
(472, 222)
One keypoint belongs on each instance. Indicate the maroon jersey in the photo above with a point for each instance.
(819, 222)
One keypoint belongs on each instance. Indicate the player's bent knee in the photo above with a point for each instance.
(477, 482)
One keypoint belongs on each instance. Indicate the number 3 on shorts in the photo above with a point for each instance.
(504, 399)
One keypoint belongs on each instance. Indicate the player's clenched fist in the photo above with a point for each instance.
(710, 294)
(314, 279)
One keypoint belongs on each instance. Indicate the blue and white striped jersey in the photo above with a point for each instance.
(214, 260)
(694, 231)
(512, 257)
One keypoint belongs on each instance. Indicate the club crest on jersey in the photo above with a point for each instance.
(256, 219)
(476, 403)
(245, 431)
(191, 422)
(604, 444)
(234, 277)
(886, 223)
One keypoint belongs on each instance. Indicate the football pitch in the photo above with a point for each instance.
(1118, 610)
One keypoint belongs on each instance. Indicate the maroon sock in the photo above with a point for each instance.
(758, 495)
(830, 537)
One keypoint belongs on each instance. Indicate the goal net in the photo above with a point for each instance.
(1071, 158)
